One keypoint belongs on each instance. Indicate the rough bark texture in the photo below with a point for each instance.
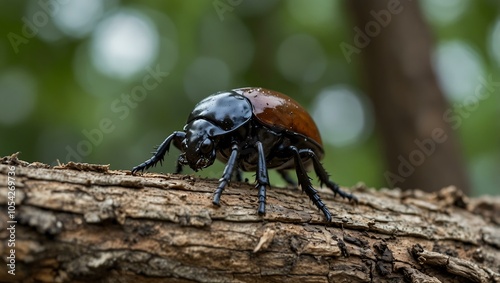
(409, 105)
(86, 223)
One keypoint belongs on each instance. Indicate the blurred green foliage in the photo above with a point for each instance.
(62, 99)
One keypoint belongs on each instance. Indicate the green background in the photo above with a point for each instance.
(56, 83)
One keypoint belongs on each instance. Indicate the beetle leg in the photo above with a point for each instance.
(288, 179)
(262, 177)
(178, 167)
(226, 176)
(158, 156)
(324, 177)
(305, 183)
(238, 175)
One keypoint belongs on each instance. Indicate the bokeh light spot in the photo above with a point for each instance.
(124, 44)
(343, 116)
(458, 69)
(444, 12)
(77, 18)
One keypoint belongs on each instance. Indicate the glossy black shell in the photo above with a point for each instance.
(229, 110)
(226, 110)
(271, 117)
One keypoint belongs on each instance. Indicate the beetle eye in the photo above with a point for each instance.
(206, 146)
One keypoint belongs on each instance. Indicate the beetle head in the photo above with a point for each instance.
(198, 147)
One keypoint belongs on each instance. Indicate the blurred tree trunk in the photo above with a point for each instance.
(394, 45)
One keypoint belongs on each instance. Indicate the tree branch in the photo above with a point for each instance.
(83, 222)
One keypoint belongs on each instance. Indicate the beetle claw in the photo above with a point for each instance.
(353, 198)
(262, 208)
(216, 200)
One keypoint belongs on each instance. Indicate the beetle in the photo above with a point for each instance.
(251, 129)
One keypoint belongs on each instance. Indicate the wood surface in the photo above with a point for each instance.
(86, 223)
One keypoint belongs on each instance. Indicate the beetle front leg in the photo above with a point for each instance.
(228, 172)
(158, 156)
(262, 177)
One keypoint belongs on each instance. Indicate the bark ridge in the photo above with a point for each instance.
(80, 222)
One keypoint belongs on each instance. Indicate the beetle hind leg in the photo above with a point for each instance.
(238, 175)
(262, 178)
(305, 183)
(324, 178)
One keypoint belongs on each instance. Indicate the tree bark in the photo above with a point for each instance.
(85, 223)
(395, 45)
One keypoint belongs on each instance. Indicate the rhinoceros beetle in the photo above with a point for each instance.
(251, 129)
